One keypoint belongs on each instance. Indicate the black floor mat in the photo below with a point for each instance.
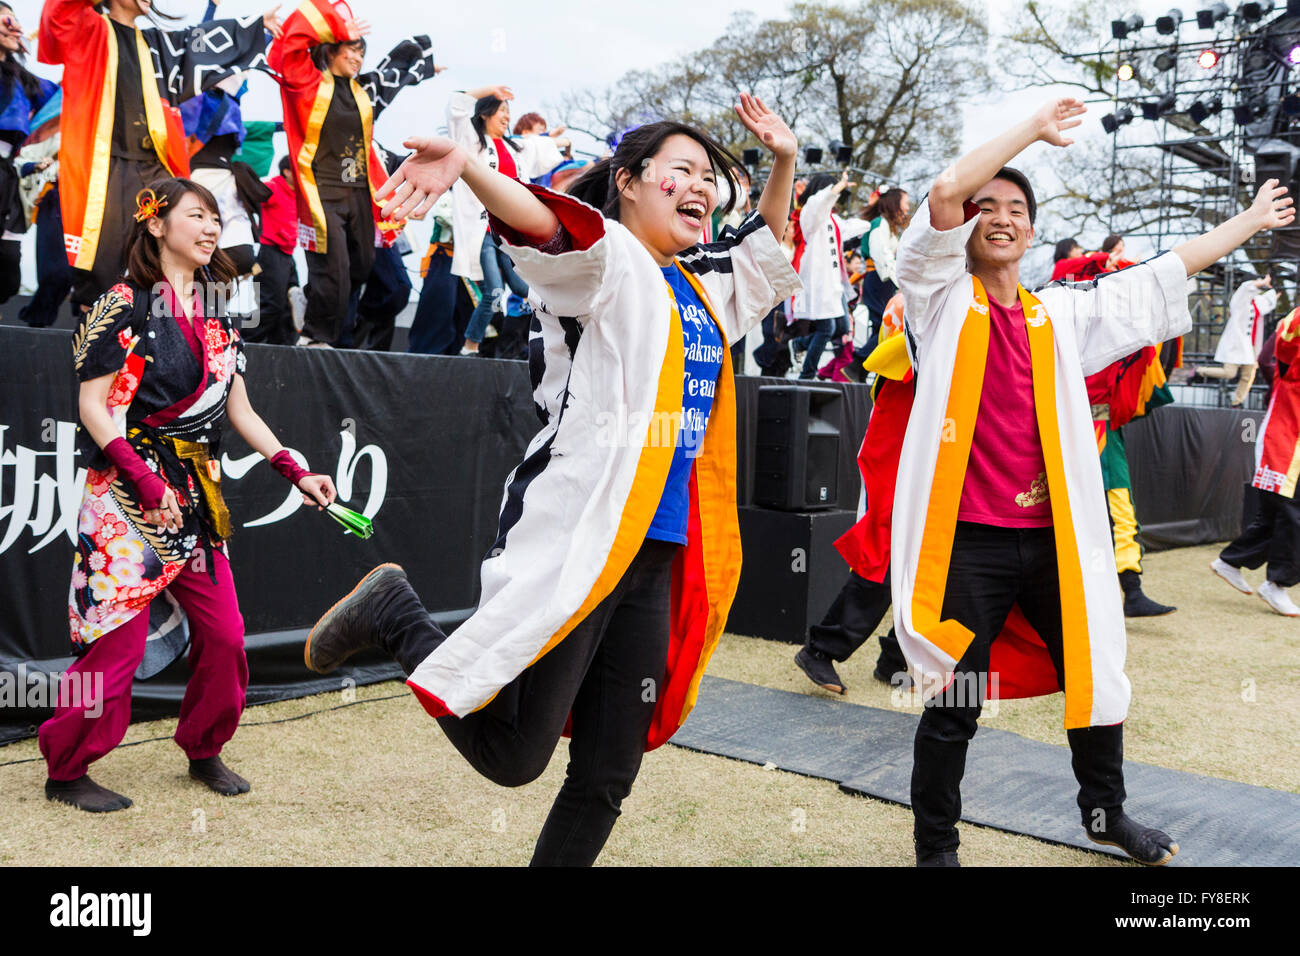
(1012, 783)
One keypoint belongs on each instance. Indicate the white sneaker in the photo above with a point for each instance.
(1277, 598)
(1230, 574)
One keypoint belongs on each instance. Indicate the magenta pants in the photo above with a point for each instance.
(72, 739)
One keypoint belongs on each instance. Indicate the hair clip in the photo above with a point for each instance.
(148, 205)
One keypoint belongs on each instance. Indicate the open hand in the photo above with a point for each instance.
(272, 23)
(1273, 207)
(358, 28)
(1056, 117)
(767, 126)
(317, 490)
(427, 173)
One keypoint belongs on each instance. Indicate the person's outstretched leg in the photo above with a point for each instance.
(612, 714)
(511, 738)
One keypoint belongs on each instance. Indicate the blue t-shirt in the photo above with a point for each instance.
(704, 347)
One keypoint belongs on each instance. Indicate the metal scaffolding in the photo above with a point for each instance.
(1214, 111)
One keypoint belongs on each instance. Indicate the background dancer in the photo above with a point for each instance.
(161, 370)
(337, 167)
(107, 156)
(618, 553)
(1242, 337)
(819, 259)
(1273, 535)
(1008, 506)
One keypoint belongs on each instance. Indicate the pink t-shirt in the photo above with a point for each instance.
(1006, 480)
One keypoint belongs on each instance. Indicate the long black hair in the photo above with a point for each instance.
(596, 186)
(13, 73)
(484, 107)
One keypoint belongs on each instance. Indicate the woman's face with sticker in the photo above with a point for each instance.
(667, 205)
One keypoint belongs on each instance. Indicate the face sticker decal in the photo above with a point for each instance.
(668, 185)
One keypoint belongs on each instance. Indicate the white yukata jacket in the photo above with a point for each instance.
(537, 156)
(1237, 345)
(1074, 330)
(607, 360)
(821, 267)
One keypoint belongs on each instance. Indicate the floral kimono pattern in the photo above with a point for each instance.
(171, 379)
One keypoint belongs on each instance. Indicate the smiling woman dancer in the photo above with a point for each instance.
(160, 372)
(618, 551)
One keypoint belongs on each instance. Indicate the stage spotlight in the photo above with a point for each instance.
(1215, 12)
(1125, 72)
(751, 156)
(1294, 56)
(1169, 22)
(1132, 23)
(1291, 104)
(1244, 114)
(1113, 121)
(1208, 60)
(1255, 10)
(1166, 61)
(1201, 111)
(812, 155)
(843, 154)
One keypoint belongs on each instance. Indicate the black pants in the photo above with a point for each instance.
(1273, 536)
(335, 275)
(388, 289)
(852, 618)
(274, 316)
(53, 274)
(443, 311)
(126, 177)
(991, 569)
(605, 675)
(11, 263)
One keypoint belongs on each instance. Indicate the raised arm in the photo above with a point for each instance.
(313, 22)
(69, 31)
(775, 135)
(1272, 209)
(958, 182)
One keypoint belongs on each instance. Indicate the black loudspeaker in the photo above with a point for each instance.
(797, 453)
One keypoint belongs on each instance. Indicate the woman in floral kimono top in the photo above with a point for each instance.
(618, 551)
(157, 381)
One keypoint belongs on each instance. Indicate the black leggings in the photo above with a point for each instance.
(1273, 536)
(606, 676)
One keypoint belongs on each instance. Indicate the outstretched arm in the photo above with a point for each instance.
(1272, 209)
(958, 182)
(438, 162)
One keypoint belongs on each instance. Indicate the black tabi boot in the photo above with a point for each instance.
(383, 612)
(1137, 604)
(84, 794)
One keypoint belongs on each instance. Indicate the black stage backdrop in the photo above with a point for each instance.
(422, 444)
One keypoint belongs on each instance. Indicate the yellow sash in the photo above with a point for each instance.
(949, 635)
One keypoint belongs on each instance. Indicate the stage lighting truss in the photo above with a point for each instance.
(1205, 102)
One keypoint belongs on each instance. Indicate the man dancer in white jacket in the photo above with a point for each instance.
(1004, 501)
